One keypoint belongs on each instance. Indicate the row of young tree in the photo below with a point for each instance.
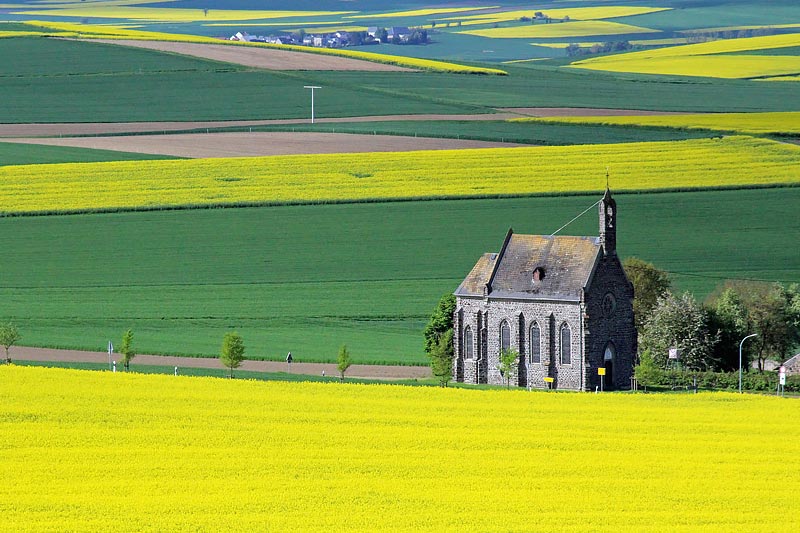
(231, 355)
(707, 335)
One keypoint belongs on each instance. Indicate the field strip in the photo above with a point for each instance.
(100, 128)
(783, 122)
(583, 111)
(27, 353)
(322, 178)
(258, 57)
(262, 143)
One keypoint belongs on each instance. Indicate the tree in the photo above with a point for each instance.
(646, 372)
(508, 360)
(382, 35)
(127, 349)
(232, 353)
(649, 284)
(729, 318)
(440, 322)
(682, 323)
(774, 314)
(343, 361)
(9, 335)
(441, 357)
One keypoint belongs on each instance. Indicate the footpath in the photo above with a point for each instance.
(387, 372)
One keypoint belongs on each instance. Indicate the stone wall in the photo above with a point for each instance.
(485, 315)
(610, 325)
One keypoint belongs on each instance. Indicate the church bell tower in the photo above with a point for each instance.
(608, 224)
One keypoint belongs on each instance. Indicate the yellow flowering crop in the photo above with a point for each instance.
(566, 29)
(98, 451)
(706, 59)
(419, 12)
(782, 78)
(732, 161)
(773, 122)
(168, 14)
(577, 13)
(715, 66)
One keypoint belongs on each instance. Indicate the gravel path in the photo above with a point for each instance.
(25, 353)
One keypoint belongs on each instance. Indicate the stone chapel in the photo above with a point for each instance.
(564, 303)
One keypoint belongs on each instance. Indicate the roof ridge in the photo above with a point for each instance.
(488, 288)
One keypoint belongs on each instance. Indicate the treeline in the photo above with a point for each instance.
(706, 337)
(574, 50)
(701, 37)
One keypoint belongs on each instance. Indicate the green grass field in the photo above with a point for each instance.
(310, 278)
(35, 154)
(108, 83)
(540, 85)
(105, 83)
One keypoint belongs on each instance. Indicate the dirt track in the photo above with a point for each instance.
(101, 128)
(261, 144)
(24, 353)
(258, 57)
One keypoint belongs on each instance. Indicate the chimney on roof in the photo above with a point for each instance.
(608, 224)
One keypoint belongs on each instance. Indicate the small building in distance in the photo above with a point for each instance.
(792, 365)
(564, 303)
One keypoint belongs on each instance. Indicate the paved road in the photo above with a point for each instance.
(25, 353)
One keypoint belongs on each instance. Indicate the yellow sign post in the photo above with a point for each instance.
(549, 382)
(602, 373)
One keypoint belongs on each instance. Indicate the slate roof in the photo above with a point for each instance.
(568, 263)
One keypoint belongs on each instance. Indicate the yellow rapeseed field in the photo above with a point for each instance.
(773, 122)
(782, 78)
(98, 451)
(168, 14)
(567, 29)
(705, 59)
(732, 161)
(576, 13)
(419, 12)
(714, 66)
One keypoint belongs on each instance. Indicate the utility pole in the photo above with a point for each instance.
(312, 87)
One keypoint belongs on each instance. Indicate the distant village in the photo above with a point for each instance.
(340, 39)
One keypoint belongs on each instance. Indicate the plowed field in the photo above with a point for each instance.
(259, 57)
(259, 144)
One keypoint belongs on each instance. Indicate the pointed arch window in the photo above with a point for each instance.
(469, 348)
(566, 344)
(505, 336)
(535, 341)
(609, 353)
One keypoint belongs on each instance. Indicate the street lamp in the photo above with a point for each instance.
(312, 87)
(740, 359)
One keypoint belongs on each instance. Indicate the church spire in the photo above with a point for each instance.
(608, 223)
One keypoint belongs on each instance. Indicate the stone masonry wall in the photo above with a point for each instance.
(486, 315)
(610, 324)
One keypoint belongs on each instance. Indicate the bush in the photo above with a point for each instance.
(751, 381)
